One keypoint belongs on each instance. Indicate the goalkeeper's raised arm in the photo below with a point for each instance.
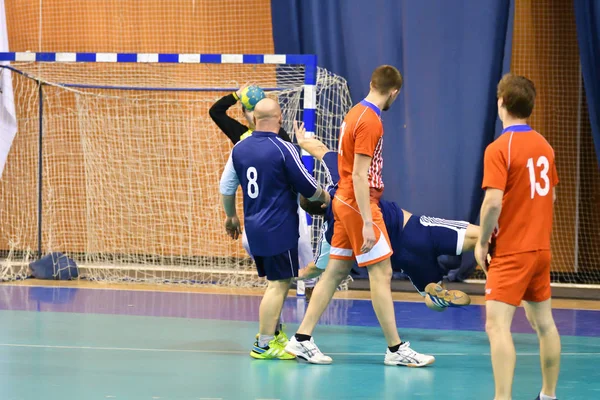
(231, 127)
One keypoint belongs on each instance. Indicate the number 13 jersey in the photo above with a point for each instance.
(521, 163)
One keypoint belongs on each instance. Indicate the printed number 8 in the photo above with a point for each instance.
(252, 176)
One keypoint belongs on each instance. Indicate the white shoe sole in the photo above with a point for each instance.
(410, 365)
(300, 356)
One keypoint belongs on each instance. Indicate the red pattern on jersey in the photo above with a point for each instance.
(361, 133)
(376, 169)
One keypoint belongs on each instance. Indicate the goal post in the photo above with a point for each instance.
(126, 176)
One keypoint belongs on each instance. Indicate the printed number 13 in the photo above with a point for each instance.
(535, 186)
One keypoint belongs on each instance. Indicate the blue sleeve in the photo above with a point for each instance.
(330, 162)
(298, 177)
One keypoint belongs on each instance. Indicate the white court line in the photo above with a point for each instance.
(44, 346)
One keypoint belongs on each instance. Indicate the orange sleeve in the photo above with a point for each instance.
(367, 135)
(495, 172)
(554, 174)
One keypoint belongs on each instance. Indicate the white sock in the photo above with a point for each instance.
(545, 397)
(263, 340)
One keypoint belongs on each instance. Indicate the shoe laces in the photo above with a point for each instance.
(407, 349)
(311, 347)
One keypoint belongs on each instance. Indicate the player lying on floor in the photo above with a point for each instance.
(417, 241)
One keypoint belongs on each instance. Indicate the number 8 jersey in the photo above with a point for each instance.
(521, 163)
(271, 175)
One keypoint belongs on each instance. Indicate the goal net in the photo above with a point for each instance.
(131, 161)
(545, 49)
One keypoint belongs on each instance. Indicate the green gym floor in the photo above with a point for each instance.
(60, 343)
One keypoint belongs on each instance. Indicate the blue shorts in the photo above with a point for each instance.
(421, 242)
(278, 267)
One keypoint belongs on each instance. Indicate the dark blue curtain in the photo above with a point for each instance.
(587, 17)
(451, 54)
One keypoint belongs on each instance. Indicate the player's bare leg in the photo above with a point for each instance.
(498, 321)
(280, 335)
(471, 237)
(540, 317)
(398, 352)
(302, 345)
(380, 279)
(267, 347)
(271, 306)
(335, 273)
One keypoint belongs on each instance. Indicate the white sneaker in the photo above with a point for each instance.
(307, 350)
(407, 357)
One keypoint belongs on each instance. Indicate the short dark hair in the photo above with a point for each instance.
(517, 94)
(386, 78)
(311, 207)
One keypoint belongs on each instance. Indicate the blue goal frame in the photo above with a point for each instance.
(309, 61)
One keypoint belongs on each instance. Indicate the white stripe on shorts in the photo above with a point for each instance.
(291, 263)
(460, 227)
(336, 251)
(380, 249)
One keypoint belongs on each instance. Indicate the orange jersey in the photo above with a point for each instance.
(521, 163)
(361, 133)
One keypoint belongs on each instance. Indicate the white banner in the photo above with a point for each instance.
(8, 117)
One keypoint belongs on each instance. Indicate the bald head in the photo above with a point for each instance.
(267, 108)
(267, 116)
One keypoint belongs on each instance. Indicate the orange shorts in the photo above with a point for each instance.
(347, 234)
(521, 276)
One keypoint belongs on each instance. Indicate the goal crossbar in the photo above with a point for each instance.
(309, 61)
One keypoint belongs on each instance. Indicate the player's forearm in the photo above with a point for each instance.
(232, 128)
(490, 212)
(361, 191)
(311, 271)
(314, 147)
(219, 108)
(229, 205)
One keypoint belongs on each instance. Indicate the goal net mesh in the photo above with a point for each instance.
(131, 166)
(545, 49)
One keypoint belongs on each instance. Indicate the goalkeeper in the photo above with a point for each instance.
(231, 127)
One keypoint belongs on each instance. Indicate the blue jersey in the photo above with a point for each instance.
(271, 175)
(393, 217)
